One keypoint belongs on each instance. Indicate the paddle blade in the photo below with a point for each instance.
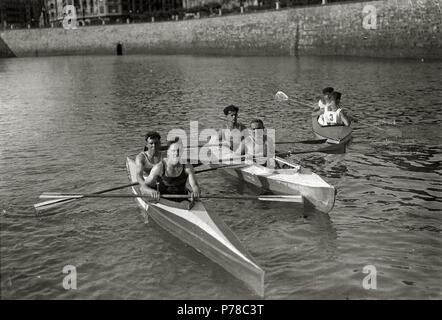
(62, 200)
(281, 96)
(314, 141)
(46, 205)
(282, 198)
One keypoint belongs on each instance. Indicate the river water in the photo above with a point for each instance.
(66, 124)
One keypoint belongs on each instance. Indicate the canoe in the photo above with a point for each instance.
(316, 192)
(205, 232)
(337, 134)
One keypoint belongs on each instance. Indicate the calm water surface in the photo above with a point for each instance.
(66, 124)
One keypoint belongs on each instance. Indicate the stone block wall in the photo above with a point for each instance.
(393, 28)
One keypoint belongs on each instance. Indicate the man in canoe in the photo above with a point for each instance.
(151, 155)
(333, 114)
(233, 132)
(169, 176)
(257, 146)
(324, 101)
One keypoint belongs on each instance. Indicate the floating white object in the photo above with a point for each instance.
(281, 96)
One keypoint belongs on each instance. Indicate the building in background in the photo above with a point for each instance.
(90, 12)
(21, 13)
(50, 13)
(87, 11)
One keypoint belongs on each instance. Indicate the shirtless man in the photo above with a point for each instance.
(169, 176)
(231, 113)
(324, 101)
(258, 146)
(145, 161)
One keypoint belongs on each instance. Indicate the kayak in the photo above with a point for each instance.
(336, 134)
(296, 180)
(205, 232)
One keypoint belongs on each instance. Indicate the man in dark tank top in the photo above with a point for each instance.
(169, 176)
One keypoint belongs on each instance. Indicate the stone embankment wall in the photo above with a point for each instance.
(5, 52)
(391, 28)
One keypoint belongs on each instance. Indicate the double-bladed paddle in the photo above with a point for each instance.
(280, 198)
(54, 203)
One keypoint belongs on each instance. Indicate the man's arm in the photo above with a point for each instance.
(241, 150)
(270, 153)
(345, 118)
(317, 106)
(151, 181)
(318, 113)
(244, 149)
(139, 165)
(192, 181)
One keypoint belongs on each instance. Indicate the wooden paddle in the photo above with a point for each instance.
(280, 198)
(281, 96)
(312, 141)
(223, 166)
(53, 203)
(334, 148)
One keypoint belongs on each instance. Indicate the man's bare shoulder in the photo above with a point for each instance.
(188, 167)
(140, 158)
(247, 139)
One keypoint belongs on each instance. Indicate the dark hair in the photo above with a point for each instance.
(152, 135)
(335, 96)
(327, 90)
(230, 108)
(257, 121)
(171, 142)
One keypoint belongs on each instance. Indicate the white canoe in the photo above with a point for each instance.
(316, 192)
(205, 232)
